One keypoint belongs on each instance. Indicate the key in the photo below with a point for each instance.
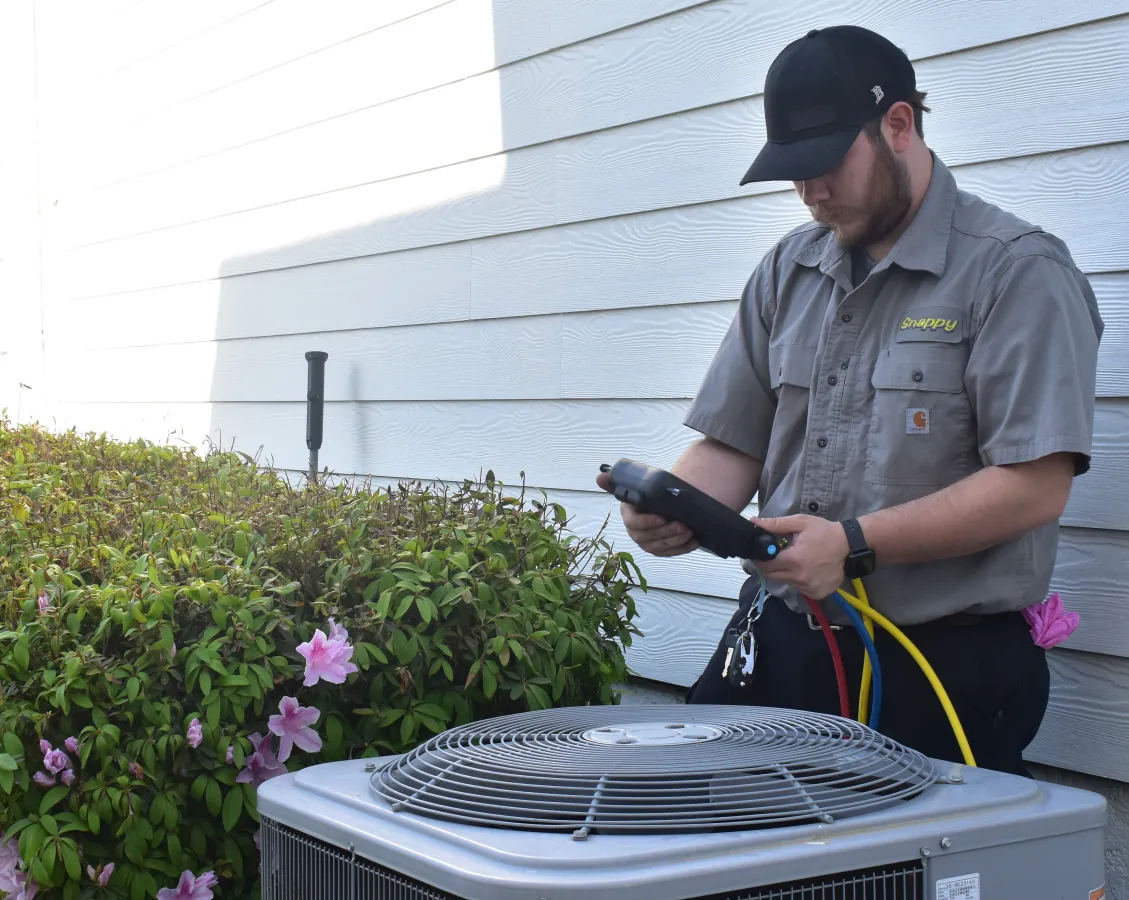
(732, 637)
(744, 659)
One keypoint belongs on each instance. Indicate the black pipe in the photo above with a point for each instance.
(315, 401)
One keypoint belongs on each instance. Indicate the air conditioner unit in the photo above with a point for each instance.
(664, 803)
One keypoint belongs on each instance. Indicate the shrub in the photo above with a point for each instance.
(176, 628)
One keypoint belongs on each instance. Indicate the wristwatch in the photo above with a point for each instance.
(861, 559)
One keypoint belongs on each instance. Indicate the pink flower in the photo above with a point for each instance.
(262, 765)
(102, 875)
(190, 888)
(44, 747)
(337, 632)
(68, 777)
(136, 771)
(72, 745)
(44, 602)
(43, 779)
(1049, 621)
(195, 734)
(293, 727)
(25, 888)
(9, 864)
(172, 652)
(326, 658)
(56, 761)
(14, 884)
(230, 754)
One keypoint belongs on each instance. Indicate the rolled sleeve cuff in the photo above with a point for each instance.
(1029, 451)
(727, 432)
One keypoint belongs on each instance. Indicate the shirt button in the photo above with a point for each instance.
(832, 380)
(843, 365)
(846, 317)
(917, 376)
(822, 442)
(813, 506)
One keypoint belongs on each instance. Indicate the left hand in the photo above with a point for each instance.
(814, 560)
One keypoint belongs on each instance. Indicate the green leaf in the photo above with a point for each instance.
(13, 745)
(214, 797)
(8, 763)
(426, 609)
(561, 650)
(70, 859)
(232, 807)
(132, 687)
(20, 654)
(52, 797)
(489, 682)
(516, 647)
(537, 697)
(401, 610)
(7, 781)
(93, 821)
(205, 683)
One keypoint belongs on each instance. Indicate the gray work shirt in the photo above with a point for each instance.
(972, 343)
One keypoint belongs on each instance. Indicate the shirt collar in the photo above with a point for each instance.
(923, 246)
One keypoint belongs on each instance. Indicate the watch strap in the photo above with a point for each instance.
(855, 539)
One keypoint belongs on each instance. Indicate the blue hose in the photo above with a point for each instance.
(872, 652)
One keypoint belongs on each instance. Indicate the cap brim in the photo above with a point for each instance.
(802, 159)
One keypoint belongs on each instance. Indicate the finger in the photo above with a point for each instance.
(670, 543)
(782, 525)
(671, 548)
(604, 480)
(637, 521)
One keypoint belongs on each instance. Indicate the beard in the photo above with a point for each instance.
(888, 200)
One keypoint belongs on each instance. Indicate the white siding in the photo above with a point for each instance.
(516, 228)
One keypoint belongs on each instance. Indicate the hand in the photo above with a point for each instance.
(652, 533)
(814, 561)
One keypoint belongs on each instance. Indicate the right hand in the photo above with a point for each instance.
(653, 534)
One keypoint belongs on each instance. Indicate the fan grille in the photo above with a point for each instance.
(646, 770)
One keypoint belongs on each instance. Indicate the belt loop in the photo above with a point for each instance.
(814, 625)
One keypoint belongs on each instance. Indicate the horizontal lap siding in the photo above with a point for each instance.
(522, 256)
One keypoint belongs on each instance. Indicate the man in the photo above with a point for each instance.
(908, 385)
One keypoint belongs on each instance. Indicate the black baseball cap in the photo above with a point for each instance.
(819, 92)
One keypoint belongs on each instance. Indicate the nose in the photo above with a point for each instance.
(813, 192)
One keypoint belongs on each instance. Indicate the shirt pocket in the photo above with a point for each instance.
(921, 428)
(790, 368)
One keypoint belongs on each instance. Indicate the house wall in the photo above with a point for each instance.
(516, 228)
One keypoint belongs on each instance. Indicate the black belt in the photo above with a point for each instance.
(954, 619)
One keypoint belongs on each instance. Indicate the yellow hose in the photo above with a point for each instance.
(864, 689)
(923, 663)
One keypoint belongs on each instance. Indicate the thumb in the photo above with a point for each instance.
(782, 525)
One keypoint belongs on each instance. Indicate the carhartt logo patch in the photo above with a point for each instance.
(917, 421)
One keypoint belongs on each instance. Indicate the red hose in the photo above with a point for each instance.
(836, 657)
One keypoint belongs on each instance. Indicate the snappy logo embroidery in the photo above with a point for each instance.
(929, 324)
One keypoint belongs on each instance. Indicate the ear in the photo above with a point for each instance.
(898, 123)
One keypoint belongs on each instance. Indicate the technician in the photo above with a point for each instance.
(908, 386)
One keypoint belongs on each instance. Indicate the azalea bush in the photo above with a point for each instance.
(176, 628)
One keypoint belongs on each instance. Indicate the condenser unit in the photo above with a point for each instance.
(671, 802)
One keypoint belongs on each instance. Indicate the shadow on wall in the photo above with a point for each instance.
(422, 250)
(376, 265)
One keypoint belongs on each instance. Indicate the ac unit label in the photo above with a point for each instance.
(964, 887)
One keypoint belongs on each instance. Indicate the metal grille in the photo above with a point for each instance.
(297, 867)
(294, 866)
(901, 882)
(637, 770)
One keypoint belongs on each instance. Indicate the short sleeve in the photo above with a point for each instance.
(735, 403)
(1032, 371)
